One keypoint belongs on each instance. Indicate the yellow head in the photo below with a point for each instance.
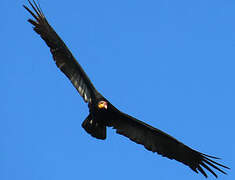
(103, 104)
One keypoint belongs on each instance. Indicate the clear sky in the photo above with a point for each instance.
(166, 62)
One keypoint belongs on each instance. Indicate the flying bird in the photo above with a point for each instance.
(103, 114)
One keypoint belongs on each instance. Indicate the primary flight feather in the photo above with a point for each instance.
(103, 114)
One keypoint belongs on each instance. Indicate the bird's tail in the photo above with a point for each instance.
(94, 128)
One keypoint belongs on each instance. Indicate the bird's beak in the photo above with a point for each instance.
(102, 105)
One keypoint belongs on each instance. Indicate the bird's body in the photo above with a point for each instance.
(97, 120)
(103, 114)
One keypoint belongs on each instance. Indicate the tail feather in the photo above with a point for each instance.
(93, 128)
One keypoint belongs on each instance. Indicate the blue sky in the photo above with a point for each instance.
(168, 63)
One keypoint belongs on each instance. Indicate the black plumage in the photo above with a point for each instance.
(103, 114)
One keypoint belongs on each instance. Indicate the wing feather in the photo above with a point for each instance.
(157, 141)
(61, 54)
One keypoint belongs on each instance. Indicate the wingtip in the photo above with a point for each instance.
(210, 156)
(25, 7)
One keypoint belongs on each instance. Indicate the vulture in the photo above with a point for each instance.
(103, 114)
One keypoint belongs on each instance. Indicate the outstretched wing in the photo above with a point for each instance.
(156, 140)
(61, 54)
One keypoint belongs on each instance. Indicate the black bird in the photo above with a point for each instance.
(103, 114)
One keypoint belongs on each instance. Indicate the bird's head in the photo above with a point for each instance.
(103, 105)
